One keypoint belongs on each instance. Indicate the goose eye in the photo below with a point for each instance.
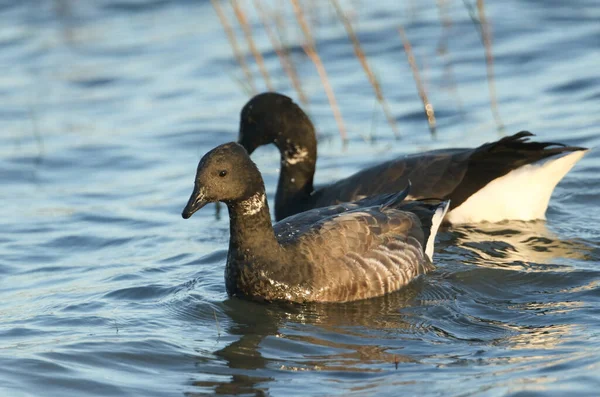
(223, 173)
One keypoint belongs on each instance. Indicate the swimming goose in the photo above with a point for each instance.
(338, 253)
(512, 178)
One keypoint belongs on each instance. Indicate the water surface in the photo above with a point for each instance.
(106, 108)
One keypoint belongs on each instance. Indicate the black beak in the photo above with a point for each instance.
(197, 200)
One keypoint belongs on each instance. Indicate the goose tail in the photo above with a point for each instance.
(522, 194)
(436, 221)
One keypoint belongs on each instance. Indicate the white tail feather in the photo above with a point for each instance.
(436, 221)
(522, 194)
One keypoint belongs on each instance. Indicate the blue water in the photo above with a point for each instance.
(105, 109)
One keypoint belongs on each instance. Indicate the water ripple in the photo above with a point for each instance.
(105, 290)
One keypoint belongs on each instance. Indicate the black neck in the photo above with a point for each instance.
(250, 225)
(293, 191)
(295, 180)
(298, 147)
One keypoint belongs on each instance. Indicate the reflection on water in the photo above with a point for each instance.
(107, 107)
(516, 245)
(548, 337)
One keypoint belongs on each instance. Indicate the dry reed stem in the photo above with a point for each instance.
(311, 52)
(282, 53)
(365, 65)
(429, 113)
(445, 54)
(217, 323)
(473, 17)
(279, 20)
(489, 60)
(241, 17)
(64, 12)
(234, 45)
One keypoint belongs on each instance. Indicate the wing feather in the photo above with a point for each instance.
(365, 252)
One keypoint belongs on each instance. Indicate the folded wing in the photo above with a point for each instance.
(364, 252)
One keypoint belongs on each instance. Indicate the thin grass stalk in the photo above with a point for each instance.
(311, 52)
(489, 60)
(282, 53)
(429, 112)
(241, 17)
(35, 129)
(280, 21)
(234, 45)
(365, 65)
(64, 12)
(445, 54)
(473, 15)
(217, 323)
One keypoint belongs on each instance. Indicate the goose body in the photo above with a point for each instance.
(512, 178)
(338, 253)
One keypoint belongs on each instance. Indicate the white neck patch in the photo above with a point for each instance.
(299, 156)
(254, 204)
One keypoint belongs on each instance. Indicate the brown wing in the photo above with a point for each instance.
(363, 253)
(293, 226)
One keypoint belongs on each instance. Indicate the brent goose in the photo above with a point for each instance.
(338, 253)
(512, 178)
